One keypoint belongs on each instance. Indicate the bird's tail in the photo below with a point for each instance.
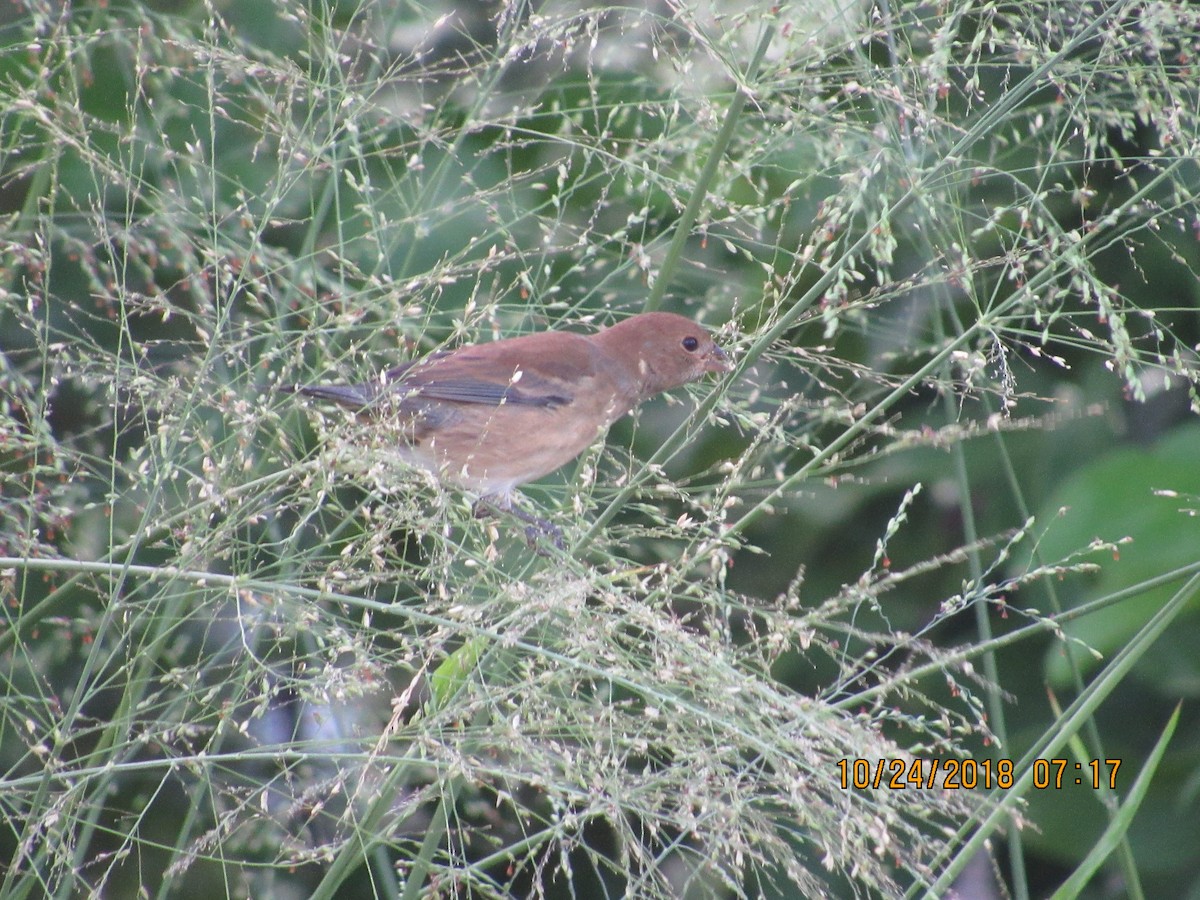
(354, 396)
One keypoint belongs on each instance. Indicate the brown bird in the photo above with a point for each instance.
(489, 417)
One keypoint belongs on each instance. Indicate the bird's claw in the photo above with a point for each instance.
(541, 528)
(536, 528)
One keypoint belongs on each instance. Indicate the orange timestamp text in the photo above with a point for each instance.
(971, 774)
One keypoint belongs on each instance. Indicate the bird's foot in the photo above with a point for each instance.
(536, 528)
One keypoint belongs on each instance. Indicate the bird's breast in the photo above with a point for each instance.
(495, 448)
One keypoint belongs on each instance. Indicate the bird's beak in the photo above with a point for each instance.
(718, 361)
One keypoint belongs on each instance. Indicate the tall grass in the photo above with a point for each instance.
(248, 651)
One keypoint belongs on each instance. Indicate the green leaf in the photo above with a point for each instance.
(1122, 497)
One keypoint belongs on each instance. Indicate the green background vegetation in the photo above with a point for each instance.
(945, 507)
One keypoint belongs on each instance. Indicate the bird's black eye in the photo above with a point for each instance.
(690, 344)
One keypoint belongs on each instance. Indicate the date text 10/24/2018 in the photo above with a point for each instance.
(970, 774)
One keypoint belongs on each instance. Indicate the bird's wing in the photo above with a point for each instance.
(488, 393)
(543, 371)
(499, 373)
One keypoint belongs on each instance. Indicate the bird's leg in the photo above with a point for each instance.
(535, 526)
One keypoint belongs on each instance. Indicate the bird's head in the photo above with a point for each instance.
(663, 350)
